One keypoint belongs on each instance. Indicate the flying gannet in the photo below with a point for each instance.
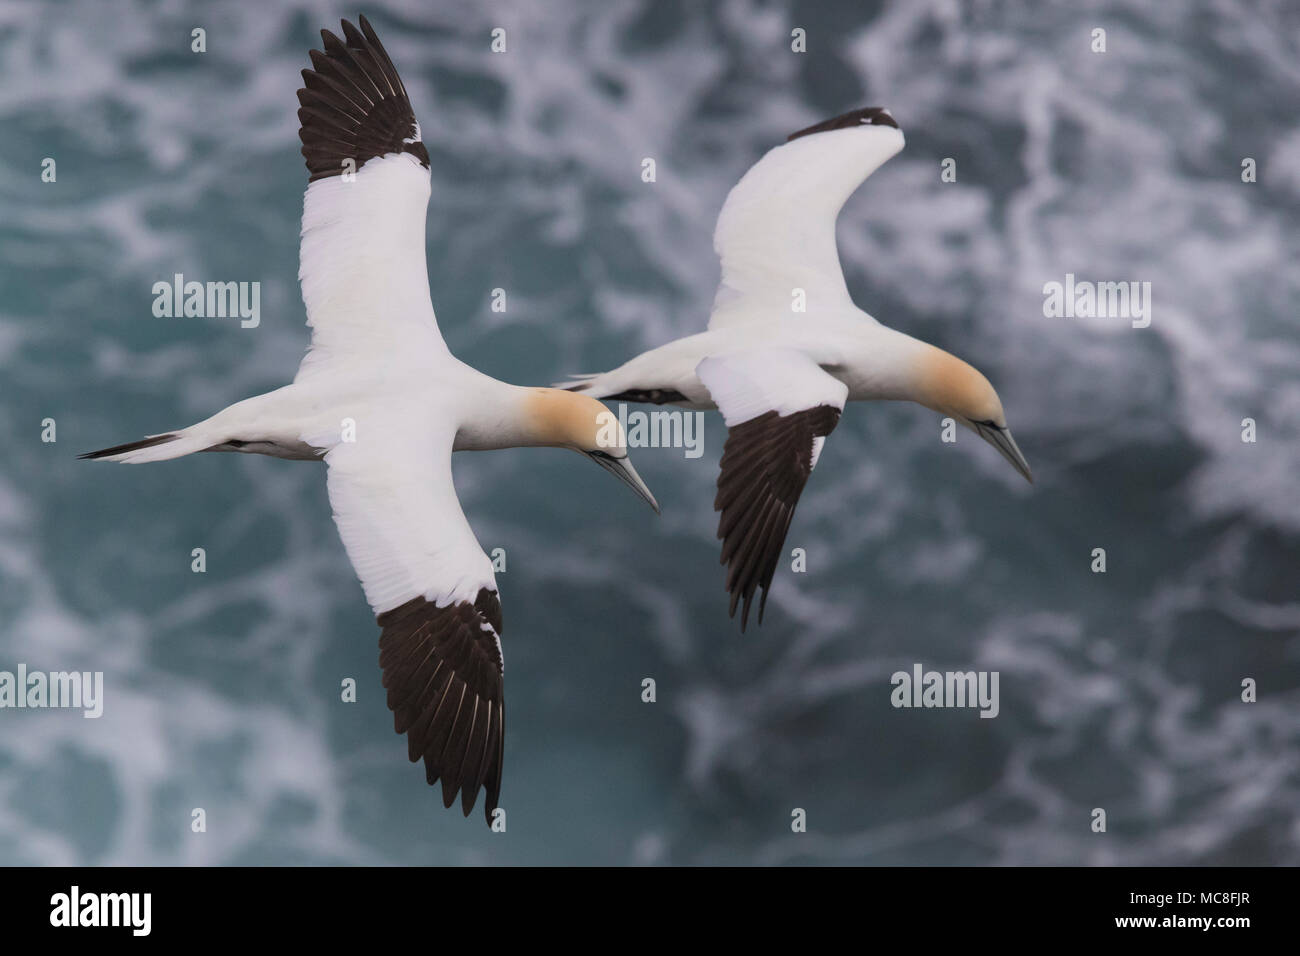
(786, 347)
(383, 402)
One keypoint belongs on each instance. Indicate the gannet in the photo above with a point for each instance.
(786, 347)
(383, 402)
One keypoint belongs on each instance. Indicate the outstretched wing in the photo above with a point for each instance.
(779, 407)
(776, 231)
(434, 593)
(362, 258)
(443, 671)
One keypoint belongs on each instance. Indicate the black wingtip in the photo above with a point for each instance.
(351, 33)
(434, 660)
(765, 465)
(356, 106)
(868, 116)
(736, 596)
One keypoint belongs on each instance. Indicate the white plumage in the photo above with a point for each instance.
(383, 402)
(361, 259)
(786, 347)
(775, 235)
(747, 383)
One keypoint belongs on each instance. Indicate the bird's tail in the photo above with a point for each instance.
(662, 376)
(228, 430)
(153, 448)
(619, 385)
(585, 383)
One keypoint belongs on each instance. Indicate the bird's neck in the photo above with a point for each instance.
(936, 379)
(897, 367)
(513, 416)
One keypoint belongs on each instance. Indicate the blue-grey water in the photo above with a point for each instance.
(1119, 690)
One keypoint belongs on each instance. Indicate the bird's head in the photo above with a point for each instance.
(957, 389)
(565, 419)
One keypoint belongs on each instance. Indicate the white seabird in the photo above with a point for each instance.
(384, 403)
(786, 347)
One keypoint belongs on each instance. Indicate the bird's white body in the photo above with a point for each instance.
(786, 348)
(383, 402)
(304, 420)
(378, 397)
(782, 287)
(872, 360)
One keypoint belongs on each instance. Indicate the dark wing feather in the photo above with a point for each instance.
(443, 670)
(765, 465)
(870, 116)
(354, 105)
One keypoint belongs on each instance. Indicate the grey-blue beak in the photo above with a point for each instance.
(1000, 438)
(622, 469)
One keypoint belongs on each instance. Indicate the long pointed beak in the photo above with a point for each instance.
(622, 469)
(1000, 438)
